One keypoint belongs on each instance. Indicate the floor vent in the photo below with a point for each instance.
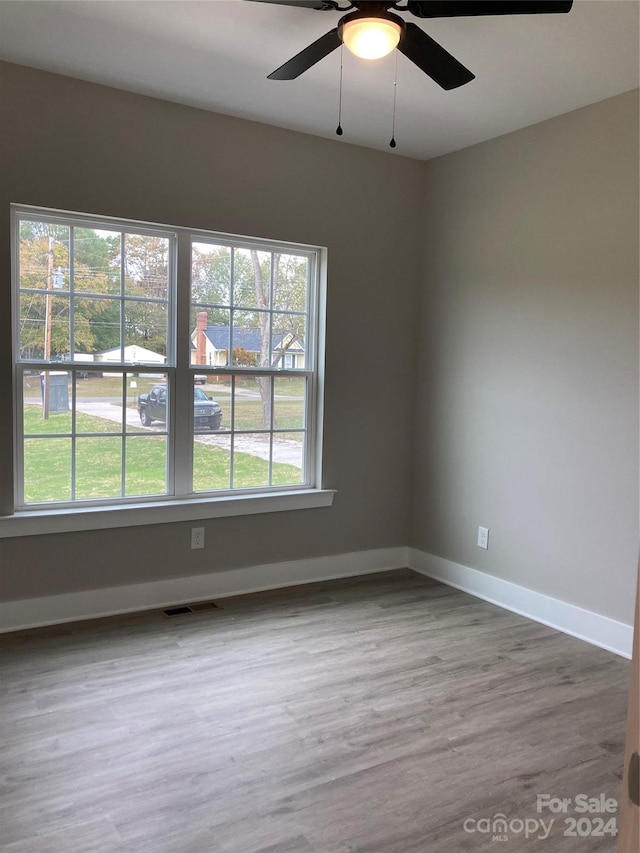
(189, 608)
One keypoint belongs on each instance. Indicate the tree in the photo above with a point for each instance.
(289, 293)
(97, 269)
(264, 382)
(95, 257)
(211, 282)
(90, 275)
(211, 274)
(146, 265)
(244, 358)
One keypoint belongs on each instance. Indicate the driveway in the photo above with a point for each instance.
(284, 450)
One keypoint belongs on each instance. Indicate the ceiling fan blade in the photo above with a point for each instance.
(459, 8)
(302, 61)
(306, 4)
(433, 59)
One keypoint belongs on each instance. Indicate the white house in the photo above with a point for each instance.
(132, 354)
(210, 345)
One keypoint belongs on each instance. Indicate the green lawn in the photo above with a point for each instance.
(285, 386)
(106, 386)
(111, 386)
(288, 414)
(98, 462)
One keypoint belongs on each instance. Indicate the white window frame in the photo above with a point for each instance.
(181, 504)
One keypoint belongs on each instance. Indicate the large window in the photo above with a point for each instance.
(155, 363)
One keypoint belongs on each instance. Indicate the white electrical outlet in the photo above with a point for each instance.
(197, 537)
(483, 537)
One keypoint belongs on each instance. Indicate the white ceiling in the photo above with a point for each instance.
(216, 54)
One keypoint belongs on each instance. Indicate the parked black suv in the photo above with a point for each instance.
(207, 414)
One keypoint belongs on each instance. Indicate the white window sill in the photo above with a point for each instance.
(38, 522)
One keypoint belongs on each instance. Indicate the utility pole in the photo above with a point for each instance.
(47, 331)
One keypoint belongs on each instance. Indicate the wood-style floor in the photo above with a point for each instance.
(373, 714)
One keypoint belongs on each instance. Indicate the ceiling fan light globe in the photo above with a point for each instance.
(371, 38)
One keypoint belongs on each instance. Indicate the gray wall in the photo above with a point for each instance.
(521, 255)
(77, 146)
(527, 401)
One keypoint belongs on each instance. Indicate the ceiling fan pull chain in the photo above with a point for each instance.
(392, 144)
(339, 127)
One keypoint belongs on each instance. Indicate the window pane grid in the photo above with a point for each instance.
(73, 436)
(233, 420)
(98, 463)
(257, 452)
(121, 297)
(34, 291)
(262, 341)
(220, 306)
(109, 294)
(141, 265)
(271, 411)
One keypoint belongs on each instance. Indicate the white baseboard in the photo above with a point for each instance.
(599, 630)
(91, 604)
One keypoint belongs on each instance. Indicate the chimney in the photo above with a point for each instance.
(202, 321)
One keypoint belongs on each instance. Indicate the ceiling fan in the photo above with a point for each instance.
(372, 31)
